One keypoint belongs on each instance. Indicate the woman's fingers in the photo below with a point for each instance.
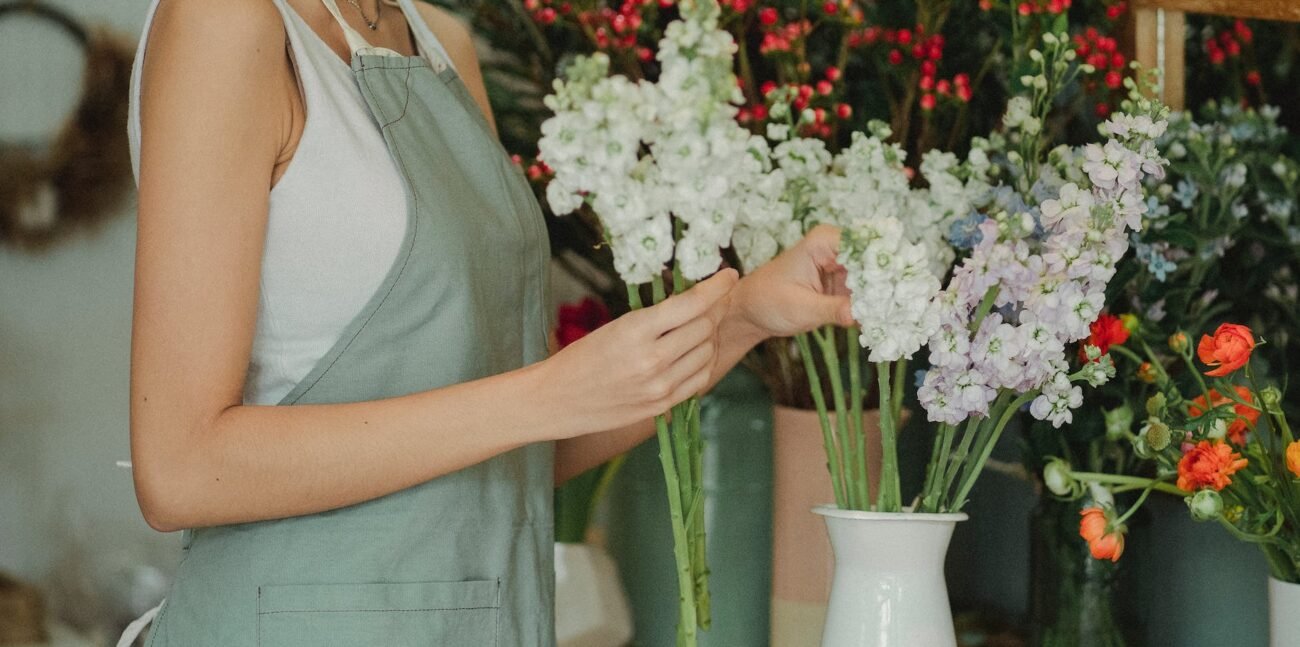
(683, 375)
(683, 339)
(691, 386)
(679, 309)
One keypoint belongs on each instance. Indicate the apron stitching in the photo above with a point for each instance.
(406, 84)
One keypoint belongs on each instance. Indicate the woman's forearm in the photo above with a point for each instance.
(262, 462)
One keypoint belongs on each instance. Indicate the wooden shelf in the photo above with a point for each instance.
(1288, 10)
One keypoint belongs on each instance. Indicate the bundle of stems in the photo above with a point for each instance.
(844, 435)
(961, 451)
(681, 446)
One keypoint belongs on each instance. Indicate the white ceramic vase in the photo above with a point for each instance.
(1283, 613)
(888, 588)
(591, 608)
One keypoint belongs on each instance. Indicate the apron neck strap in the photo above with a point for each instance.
(356, 42)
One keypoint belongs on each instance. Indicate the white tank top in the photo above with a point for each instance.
(337, 214)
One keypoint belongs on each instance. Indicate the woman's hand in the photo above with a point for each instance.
(643, 363)
(795, 292)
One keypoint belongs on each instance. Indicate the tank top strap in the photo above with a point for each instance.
(356, 42)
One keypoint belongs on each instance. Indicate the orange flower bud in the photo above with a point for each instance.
(1228, 350)
(1147, 373)
(1293, 458)
(1178, 342)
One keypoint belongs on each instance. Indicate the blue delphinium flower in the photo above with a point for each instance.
(964, 233)
(1185, 193)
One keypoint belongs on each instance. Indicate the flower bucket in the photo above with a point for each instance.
(1074, 599)
(888, 589)
(1283, 619)
(801, 554)
(591, 609)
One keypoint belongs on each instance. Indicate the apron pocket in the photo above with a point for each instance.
(400, 614)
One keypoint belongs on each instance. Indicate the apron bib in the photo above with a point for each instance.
(462, 560)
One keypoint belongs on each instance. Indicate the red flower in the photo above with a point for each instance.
(577, 320)
(1246, 415)
(1208, 465)
(1108, 330)
(767, 16)
(1228, 350)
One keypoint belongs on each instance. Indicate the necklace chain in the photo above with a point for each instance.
(372, 24)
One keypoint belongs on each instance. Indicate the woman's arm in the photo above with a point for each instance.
(216, 116)
(796, 292)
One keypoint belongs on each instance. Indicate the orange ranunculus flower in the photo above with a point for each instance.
(1104, 542)
(1208, 465)
(1293, 458)
(1246, 415)
(1228, 350)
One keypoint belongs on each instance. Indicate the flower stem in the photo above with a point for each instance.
(1096, 477)
(819, 399)
(890, 499)
(860, 449)
(826, 340)
(973, 471)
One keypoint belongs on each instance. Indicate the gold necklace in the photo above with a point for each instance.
(372, 24)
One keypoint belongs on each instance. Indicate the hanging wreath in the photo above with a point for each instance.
(82, 177)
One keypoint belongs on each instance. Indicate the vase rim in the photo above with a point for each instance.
(831, 510)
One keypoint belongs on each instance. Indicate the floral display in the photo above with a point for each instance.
(1234, 461)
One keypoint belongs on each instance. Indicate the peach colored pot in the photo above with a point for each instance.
(802, 561)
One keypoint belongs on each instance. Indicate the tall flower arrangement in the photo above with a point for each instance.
(665, 167)
(1219, 235)
(1043, 252)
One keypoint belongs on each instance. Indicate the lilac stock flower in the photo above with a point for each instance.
(1036, 278)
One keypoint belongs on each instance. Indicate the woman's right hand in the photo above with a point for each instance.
(642, 363)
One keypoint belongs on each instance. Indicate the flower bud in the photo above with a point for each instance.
(1118, 422)
(1056, 476)
(1156, 405)
(1091, 352)
(1271, 399)
(1147, 373)
(1178, 342)
(1141, 449)
(1217, 429)
(1157, 434)
(1205, 505)
(1130, 321)
(1101, 495)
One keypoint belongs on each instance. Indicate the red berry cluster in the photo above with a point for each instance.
(609, 27)
(781, 38)
(1050, 7)
(1101, 52)
(536, 170)
(926, 51)
(1227, 43)
(820, 96)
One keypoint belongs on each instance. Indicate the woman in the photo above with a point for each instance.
(327, 221)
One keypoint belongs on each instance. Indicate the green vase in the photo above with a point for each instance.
(1074, 598)
(736, 420)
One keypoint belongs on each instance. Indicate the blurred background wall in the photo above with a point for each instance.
(68, 517)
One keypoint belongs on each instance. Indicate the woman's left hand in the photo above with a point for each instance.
(795, 292)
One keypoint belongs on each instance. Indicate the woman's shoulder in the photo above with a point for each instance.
(452, 31)
(235, 28)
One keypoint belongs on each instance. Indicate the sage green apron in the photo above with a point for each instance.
(464, 559)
